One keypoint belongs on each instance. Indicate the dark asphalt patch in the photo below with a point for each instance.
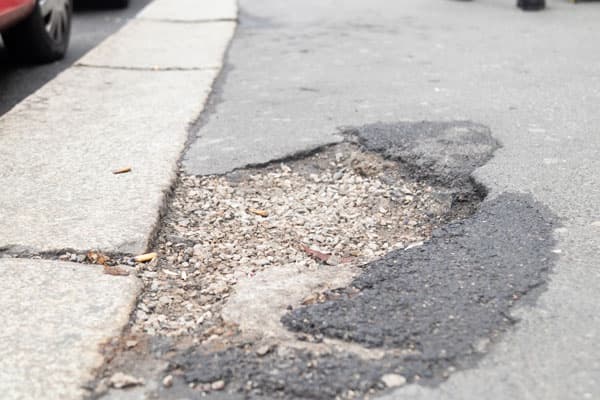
(293, 374)
(440, 300)
(442, 153)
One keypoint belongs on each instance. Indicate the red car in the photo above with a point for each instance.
(36, 30)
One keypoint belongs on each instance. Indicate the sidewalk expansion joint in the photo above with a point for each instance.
(151, 69)
(112, 262)
(65, 254)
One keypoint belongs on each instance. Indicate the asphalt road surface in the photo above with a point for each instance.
(297, 75)
(92, 23)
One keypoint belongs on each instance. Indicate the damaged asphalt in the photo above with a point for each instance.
(442, 304)
(435, 307)
(441, 153)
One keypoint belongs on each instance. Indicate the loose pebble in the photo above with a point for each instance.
(168, 381)
(120, 380)
(218, 385)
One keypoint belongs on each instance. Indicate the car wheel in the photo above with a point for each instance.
(44, 35)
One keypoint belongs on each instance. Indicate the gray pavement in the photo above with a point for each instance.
(298, 72)
(54, 317)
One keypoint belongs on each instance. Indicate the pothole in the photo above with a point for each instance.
(239, 251)
(317, 219)
(332, 276)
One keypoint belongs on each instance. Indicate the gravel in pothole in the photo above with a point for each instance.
(340, 206)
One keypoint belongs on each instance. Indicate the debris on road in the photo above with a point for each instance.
(95, 257)
(413, 245)
(263, 350)
(168, 381)
(122, 171)
(257, 211)
(393, 380)
(142, 258)
(218, 385)
(316, 254)
(211, 239)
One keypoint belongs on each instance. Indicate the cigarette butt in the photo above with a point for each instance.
(122, 170)
(145, 257)
(262, 213)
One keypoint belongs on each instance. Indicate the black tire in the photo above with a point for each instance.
(44, 35)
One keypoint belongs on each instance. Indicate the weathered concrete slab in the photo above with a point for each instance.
(190, 10)
(164, 45)
(60, 146)
(54, 316)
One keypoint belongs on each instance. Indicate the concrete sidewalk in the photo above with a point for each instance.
(128, 103)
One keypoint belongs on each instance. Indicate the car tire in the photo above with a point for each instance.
(44, 35)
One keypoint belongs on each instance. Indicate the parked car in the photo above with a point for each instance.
(36, 30)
